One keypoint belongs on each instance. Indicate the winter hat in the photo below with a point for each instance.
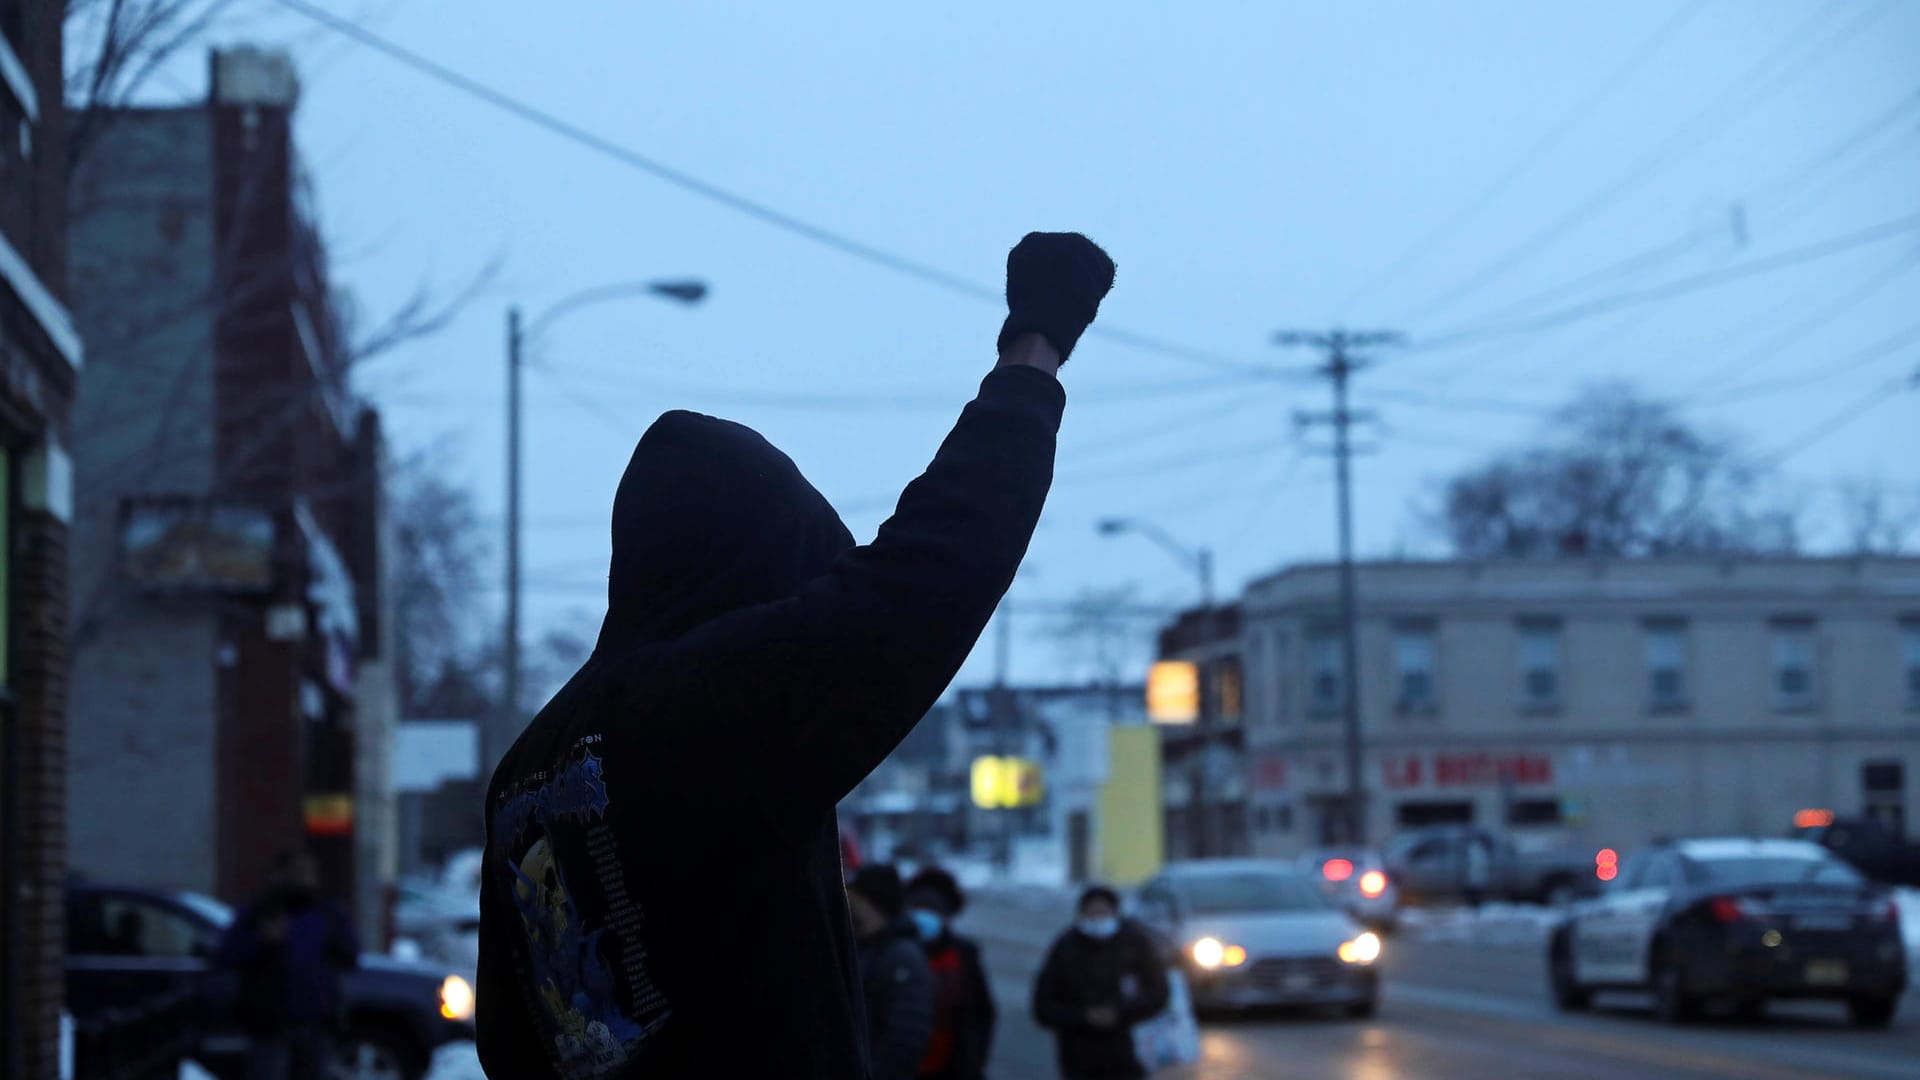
(938, 886)
(880, 885)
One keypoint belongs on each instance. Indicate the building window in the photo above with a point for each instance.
(1910, 660)
(1413, 668)
(1540, 665)
(1282, 711)
(1793, 656)
(1328, 694)
(1420, 813)
(1229, 699)
(1533, 812)
(1666, 644)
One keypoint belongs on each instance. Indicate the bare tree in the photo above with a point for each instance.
(115, 48)
(439, 553)
(1874, 521)
(1615, 473)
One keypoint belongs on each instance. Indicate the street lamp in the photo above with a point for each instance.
(1200, 561)
(1197, 560)
(682, 291)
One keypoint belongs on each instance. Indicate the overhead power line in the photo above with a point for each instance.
(1853, 411)
(1783, 65)
(732, 200)
(1532, 155)
(1678, 287)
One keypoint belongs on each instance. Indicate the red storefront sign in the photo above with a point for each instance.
(1475, 769)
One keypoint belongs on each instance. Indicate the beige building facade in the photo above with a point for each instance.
(1601, 702)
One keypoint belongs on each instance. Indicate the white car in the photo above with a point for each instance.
(1253, 932)
(1734, 920)
(1356, 880)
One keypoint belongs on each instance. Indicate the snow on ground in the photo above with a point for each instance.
(455, 1061)
(1490, 924)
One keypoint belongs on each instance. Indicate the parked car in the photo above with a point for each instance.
(1739, 920)
(1250, 932)
(1871, 846)
(424, 908)
(1438, 863)
(1357, 882)
(127, 945)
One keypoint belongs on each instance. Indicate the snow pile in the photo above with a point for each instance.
(1490, 924)
(455, 1061)
(1909, 902)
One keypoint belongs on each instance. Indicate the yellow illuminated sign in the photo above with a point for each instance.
(1173, 692)
(1007, 783)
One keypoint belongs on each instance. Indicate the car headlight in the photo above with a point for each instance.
(1372, 884)
(456, 998)
(1211, 953)
(1364, 949)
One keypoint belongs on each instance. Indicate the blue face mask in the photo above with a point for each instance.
(930, 925)
(1100, 928)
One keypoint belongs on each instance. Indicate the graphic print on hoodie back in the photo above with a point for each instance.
(662, 870)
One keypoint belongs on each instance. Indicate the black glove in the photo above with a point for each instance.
(1055, 282)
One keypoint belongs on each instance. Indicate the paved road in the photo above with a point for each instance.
(1457, 1010)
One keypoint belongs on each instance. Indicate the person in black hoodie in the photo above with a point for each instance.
(897, 987)
(661, 893)
(1102, 976)
(963, 1012)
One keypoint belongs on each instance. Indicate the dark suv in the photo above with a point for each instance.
(127, 946)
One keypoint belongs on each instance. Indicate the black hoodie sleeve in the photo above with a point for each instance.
(807, 694)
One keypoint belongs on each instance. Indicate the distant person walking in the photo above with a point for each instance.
(963, 1012)
(897, 987)
(1479, 870)
(1103, 976)
(662, 895)
(287, 951)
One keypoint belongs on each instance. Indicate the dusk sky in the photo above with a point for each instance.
(1420, 167)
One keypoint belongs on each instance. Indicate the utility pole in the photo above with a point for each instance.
(1339, 367)
(507, 720)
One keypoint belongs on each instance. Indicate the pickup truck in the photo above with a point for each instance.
(1435, 863)
(127, 945)
(1874, 849)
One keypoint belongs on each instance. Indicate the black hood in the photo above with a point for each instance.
(710, 518)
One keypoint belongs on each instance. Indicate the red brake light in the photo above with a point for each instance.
(1372, 883)
(1336, 869)
(1728, 909)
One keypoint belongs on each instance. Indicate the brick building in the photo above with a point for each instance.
(1204, 765)
(1586, 700)
(233, 688)
(39, 356)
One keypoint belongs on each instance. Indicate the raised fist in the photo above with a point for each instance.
(1055, 282)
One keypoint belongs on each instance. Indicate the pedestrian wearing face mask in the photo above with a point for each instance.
(963, 1013)
(1102, 976)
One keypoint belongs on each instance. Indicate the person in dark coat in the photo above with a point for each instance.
(287, 951)
(661, 893)
(896, 985)
(963, 1012)
(1102, 976)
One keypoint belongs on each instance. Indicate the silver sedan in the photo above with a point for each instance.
(1252, 933)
